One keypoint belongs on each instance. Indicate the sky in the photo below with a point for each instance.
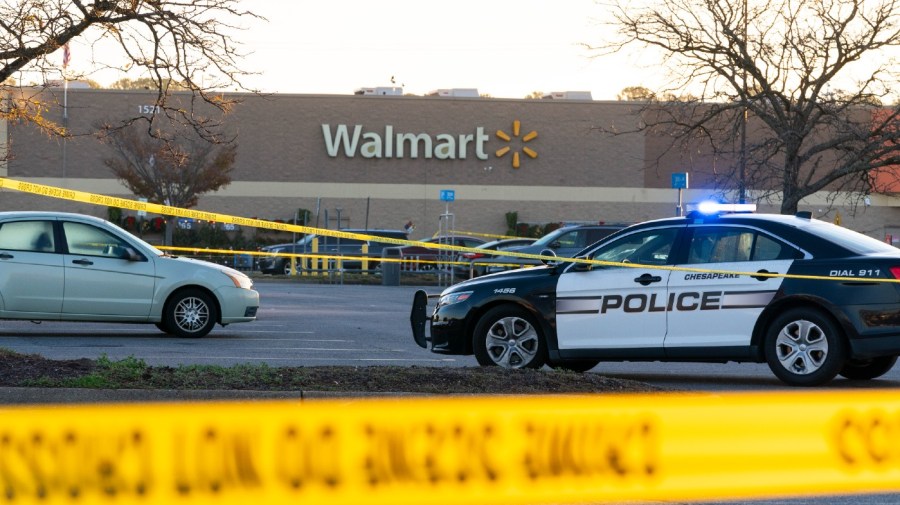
(504, 48)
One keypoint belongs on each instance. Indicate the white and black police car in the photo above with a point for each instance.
(810, 298)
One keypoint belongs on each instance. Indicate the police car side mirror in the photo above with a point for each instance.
(582, 267)
(555, 245)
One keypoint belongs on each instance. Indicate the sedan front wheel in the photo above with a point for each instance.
(190, 314)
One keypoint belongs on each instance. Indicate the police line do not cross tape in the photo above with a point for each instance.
(510, 450)
(110, 201)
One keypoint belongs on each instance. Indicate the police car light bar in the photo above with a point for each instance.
(710, 208)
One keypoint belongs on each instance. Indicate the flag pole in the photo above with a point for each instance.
(66, 56)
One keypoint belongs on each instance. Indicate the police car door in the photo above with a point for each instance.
(718, 308)
(617, 307)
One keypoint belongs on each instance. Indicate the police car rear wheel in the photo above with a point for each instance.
(804, 347)
(506, 336)
(865, 369)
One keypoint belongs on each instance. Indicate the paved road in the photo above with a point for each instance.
(298, 325)
(310, 324)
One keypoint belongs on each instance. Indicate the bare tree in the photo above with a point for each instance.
(171, 41)
(145, 83)
(788, 92)
(166, 171)
(635, 93)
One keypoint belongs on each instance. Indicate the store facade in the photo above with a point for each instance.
(383, 161)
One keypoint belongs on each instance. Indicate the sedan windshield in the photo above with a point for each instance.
(550, 237)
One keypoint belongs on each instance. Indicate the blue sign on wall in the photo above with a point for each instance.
(448, 195)
(680, 180)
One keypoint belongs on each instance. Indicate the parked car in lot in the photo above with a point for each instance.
(475, 259)
(418, 257)
(811, 299)
(71, 267)
(564, 242)
(327, 245)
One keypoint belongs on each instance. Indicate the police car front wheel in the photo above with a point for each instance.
(507, 336)
(805, 347)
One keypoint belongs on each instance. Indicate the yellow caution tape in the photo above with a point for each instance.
(109, 201)
(561, 449)
(373, 259)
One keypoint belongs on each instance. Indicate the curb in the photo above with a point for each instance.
(38, 396)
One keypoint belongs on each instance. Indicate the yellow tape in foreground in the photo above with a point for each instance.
(561, 449)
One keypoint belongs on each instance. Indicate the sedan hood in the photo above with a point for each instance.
(222, 268)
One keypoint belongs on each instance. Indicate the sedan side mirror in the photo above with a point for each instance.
(555, 245)
(549, 252)
(130, 254)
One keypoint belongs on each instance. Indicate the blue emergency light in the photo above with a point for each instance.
(710, 208)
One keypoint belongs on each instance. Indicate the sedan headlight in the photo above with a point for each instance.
(240, 280)
(451, 298)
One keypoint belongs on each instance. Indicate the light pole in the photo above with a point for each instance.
(742, 160)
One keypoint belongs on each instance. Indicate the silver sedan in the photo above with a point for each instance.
(58, 266)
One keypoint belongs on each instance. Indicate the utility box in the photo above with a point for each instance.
(390, 270)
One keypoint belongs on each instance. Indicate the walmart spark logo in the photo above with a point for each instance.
(531, 153)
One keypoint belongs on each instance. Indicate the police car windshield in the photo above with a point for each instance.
(849, 239)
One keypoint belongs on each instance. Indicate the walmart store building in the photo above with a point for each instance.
(384, 161)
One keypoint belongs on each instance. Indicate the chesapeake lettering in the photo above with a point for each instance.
(709, 276)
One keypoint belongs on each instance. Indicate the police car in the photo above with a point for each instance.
(811, 299)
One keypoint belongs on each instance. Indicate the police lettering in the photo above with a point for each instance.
(52, 466)
(308, 457)
(614, 448)
(214, 460)
(868, 439)
(431, 453)
(687, 301)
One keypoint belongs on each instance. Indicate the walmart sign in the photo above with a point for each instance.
(389, 144)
